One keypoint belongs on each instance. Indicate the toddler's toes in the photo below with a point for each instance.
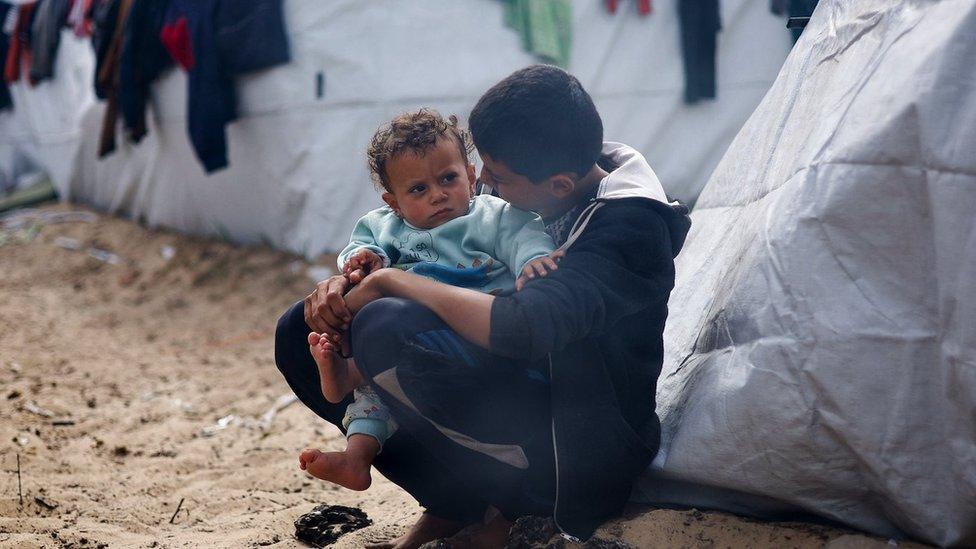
(307, 457)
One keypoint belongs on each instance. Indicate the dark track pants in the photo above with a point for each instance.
(475, 428)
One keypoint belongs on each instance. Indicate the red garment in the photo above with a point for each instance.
(644, 7)
(176, 38)
(79, 17)
(20, 52)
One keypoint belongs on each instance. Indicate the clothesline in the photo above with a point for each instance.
(136, 41)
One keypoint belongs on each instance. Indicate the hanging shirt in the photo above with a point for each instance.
(46, 37)
(700, 22)
(19, 52)
(6, 11)
(226, 39)
(545, 26)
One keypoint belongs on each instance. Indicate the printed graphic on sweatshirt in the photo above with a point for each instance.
(475, 276)
(416, 246)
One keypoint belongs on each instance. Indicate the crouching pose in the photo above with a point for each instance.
(538, 402)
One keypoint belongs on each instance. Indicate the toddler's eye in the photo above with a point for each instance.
(450, 177)
(417, 189)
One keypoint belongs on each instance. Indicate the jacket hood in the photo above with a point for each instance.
(631, 177)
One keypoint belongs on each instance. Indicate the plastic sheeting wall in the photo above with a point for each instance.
(821, 350)
(298, 177)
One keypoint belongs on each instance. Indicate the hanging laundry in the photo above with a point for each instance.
(6, 11)
(226, 39)
(79, 19)
(175, 37)
(107, 80)
(104, 20)
(699, 24)
(46, 37)
(793, 8)
(251, 35)
(19, 53)
(545, 27)
(143, 60)
(644, 7)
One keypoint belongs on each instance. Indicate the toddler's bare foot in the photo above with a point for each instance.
(349, 469)
(339, 376)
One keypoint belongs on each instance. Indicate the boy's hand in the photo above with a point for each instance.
(540, 266)
(325, 308)
(361, 264)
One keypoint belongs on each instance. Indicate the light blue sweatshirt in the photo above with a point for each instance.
(484, 249)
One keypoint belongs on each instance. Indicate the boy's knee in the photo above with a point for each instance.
(381, 328)
(291, 336)
(376, 322)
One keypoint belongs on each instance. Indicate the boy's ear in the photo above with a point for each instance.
(391, 201)
(562, 185)
(472, 179)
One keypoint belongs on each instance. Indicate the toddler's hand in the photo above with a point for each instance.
(361, 264)
(540, 266)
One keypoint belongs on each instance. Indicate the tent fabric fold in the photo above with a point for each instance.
(821, 356)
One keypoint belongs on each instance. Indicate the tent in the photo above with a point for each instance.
(297, 177)
(821, 350)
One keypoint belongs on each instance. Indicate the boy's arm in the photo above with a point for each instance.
(613, 270)
(466, 311)
(621, 264)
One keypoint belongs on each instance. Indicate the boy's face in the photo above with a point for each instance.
(430, 189)
(518, 190)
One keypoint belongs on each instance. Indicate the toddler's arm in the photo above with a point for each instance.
(360, 264)
(363, 253)
(521, 238)
(540, 266)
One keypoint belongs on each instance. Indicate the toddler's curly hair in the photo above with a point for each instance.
(416, 132)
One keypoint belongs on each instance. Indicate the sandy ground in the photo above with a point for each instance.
(111, 375)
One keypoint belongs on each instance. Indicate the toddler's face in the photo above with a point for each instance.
(431, 189)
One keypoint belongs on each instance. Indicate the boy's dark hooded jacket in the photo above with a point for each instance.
(600, 320)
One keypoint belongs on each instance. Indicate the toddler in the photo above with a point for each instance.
(432, 225)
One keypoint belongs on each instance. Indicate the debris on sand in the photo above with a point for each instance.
(531, 532)
(221, 424)
(167, 252)
(262, 423)
(49, 505)
(104, 256)
(283, 402)
(540, 533)
(326, 523)
(33, 408)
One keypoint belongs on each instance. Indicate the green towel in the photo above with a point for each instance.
(545, 26)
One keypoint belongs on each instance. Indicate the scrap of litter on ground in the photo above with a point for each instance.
(141, 406)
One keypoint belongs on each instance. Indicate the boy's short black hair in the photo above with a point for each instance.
(539, 121)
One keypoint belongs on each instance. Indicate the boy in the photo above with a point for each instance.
(432, 226)
(570, 447)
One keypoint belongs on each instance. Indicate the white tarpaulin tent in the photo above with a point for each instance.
(821, 349)
(297, 176)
